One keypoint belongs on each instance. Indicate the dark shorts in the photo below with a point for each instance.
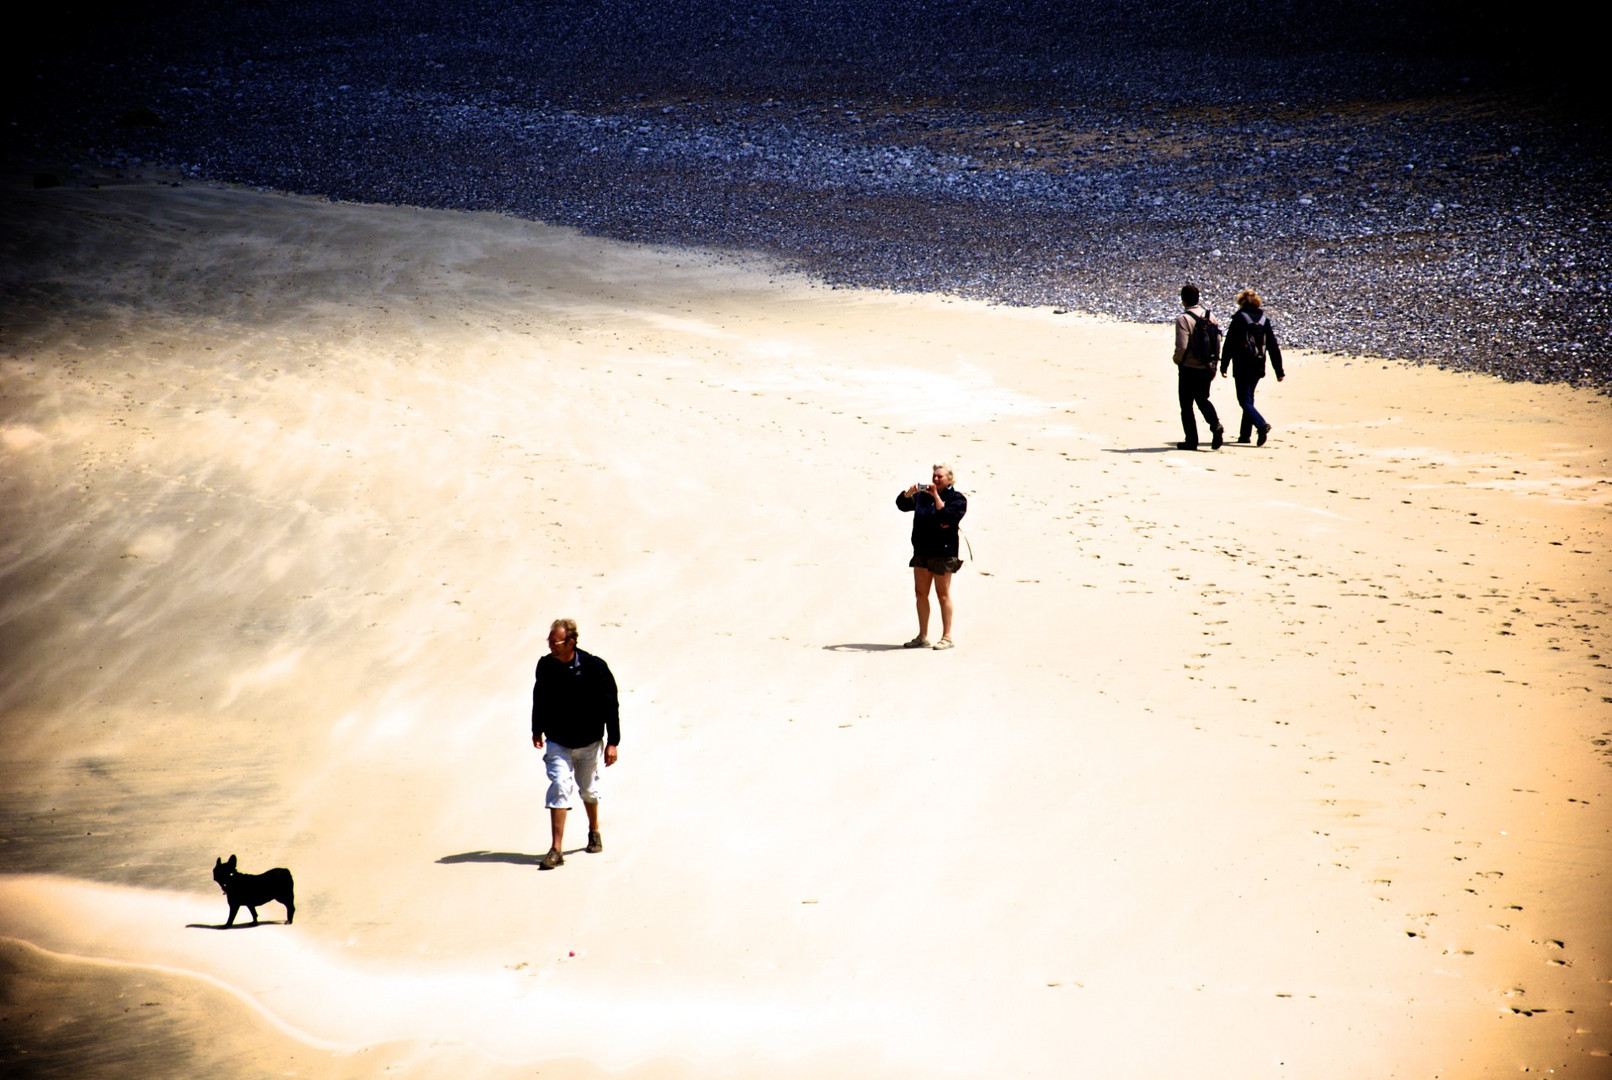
(937, 564)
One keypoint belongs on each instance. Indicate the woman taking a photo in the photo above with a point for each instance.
(936, 509)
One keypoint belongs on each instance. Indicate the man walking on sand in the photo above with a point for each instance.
(1195, 371)
(575, 721)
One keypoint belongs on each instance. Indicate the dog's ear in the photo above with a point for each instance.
(231, 864)
(217, 863)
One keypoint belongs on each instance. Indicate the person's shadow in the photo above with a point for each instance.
(514, 858)
(860, 646)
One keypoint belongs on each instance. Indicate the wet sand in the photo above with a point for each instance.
(1282, 761)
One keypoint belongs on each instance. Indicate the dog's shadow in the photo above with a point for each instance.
(237, 926)
(514, 858)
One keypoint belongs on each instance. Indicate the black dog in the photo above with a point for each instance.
(250, 891)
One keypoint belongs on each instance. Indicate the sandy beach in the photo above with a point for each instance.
(1291, 761)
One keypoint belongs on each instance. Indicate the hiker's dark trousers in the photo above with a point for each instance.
(1252, 421)
(1194, 390)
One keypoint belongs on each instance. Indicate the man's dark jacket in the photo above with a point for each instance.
(575, 706)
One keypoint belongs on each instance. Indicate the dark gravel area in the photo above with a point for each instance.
(1408, 184)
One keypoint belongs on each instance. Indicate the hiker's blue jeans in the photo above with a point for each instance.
(1252, 421)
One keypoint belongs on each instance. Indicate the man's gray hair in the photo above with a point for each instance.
(568, 625)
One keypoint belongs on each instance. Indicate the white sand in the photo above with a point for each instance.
(1274, 762)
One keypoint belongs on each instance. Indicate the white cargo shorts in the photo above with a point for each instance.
(572, 771)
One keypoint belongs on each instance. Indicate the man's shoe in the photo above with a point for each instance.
(1219, 439)
(595, 842)
(919, 642)
(1245, 439)
(552, 859)
(1263, 432)
(1186, 446)
(943, 643)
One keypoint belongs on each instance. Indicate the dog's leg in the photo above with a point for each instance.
(233, 908)
(253, 910)
(290, 910)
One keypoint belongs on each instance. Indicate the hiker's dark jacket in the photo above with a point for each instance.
(575, 705)
(1240, 349)
(934, 531)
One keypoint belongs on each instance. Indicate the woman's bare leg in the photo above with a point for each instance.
(921, 579)
(943, 593)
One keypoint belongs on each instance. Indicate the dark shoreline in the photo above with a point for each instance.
(1386, 203)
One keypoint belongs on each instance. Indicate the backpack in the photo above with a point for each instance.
(1205, 340)
(1255, 336)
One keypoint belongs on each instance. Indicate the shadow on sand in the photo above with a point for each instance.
(237, 926)
(1140, 450)
(514, 858)
(860, 646)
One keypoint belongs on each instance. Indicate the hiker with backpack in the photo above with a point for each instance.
(1197, 352)
(1249, 339)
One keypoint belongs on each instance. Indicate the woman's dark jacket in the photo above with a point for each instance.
(1241, 349)
(934, 531)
